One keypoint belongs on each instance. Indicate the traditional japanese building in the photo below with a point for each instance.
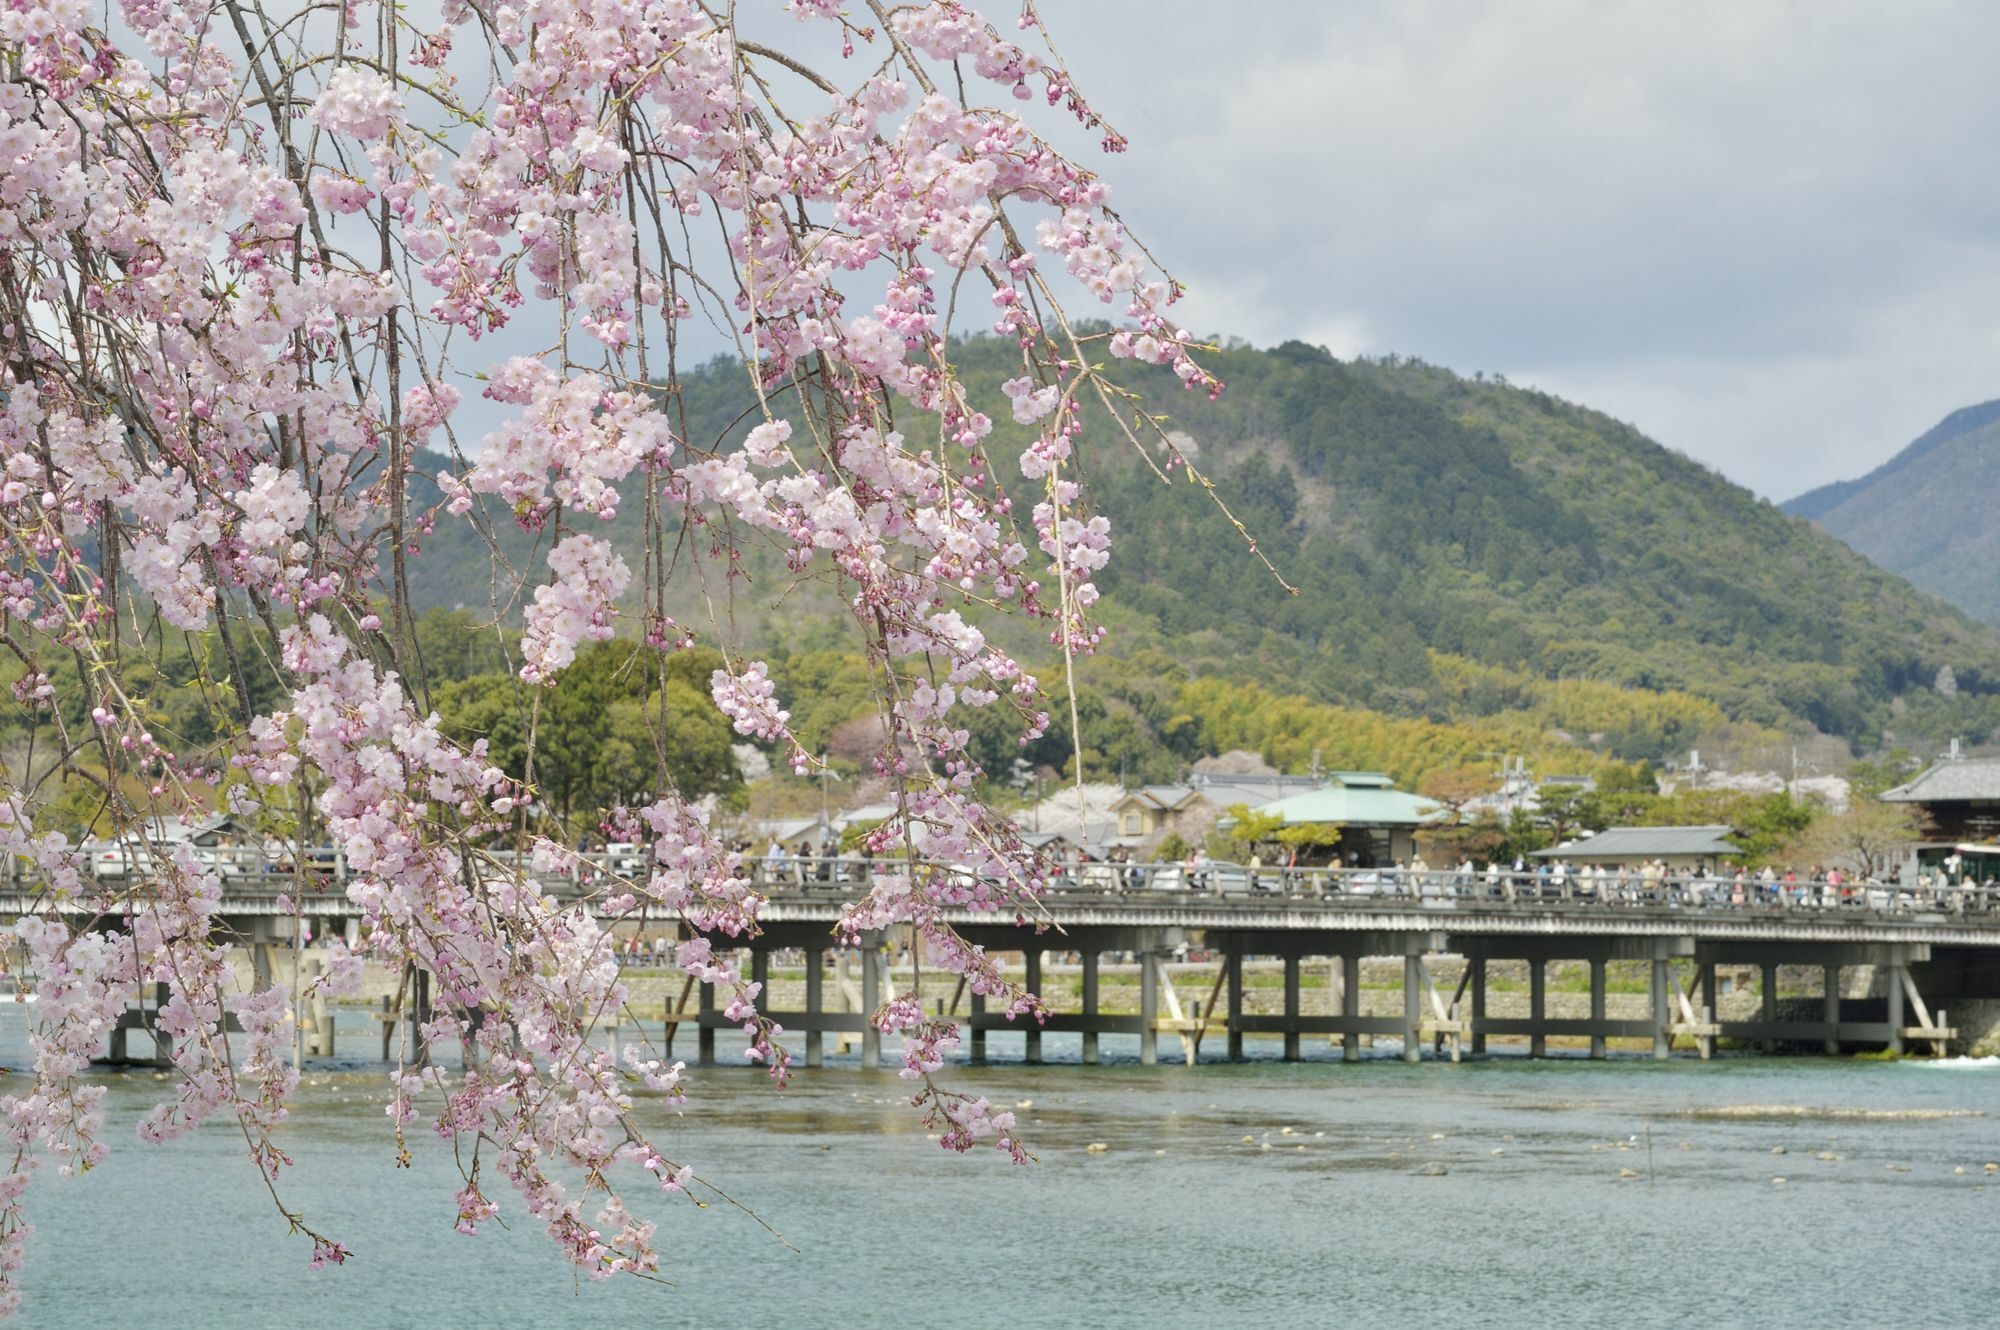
(1369, 822)
(1959, 802)
(1679, 848)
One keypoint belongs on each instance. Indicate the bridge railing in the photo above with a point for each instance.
(245, 870)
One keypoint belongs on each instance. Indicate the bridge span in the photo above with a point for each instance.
(1919, 951)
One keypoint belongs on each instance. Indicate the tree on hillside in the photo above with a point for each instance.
(602, 740)
(1456, 787)
(1568, 809)
(1869, 777)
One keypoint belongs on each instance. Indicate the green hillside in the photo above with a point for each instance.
(1927, 513)
(1462, 549)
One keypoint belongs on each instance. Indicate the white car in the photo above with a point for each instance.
(624, 856)
(129, 856)
(113, 859)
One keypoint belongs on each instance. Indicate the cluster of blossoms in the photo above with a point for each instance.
(212, 409)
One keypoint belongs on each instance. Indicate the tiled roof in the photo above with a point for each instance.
(1349, 806)
(1971, 778)
(1647, 843)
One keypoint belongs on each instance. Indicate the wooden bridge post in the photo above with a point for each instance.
(1597, 1004)
(873, 961)
(1232, 961)
(1090, 960)
(1149, 1008)
(847, 997)
(1768, 989)
(163, 1043)
(1413, 1005)
(760, 975)
(1830, 1006)
(1478, 964)
(1292, 1007)
(316, 1033)
(1705, 972)
(975, 1013)
(1538, 1038)
(1032, 963)
(1663, 1039)
(1896, 970)
(420, 1013)
(704, 1035)
(815, 1004)
(1350, 1005)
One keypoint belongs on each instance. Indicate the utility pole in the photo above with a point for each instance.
(826, 776)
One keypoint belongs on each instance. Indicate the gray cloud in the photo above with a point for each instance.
(1765, 233)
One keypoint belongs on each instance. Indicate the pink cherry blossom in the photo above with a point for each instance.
(249, 269)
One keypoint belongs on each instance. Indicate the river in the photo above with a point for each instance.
(1259, 1194)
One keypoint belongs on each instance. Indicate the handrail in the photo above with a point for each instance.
(247, 869)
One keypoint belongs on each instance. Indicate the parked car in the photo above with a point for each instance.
(113, 860)
(624, 856)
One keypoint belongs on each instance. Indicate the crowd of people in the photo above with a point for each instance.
(1952, 883)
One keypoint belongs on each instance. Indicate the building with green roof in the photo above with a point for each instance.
(1367, 821)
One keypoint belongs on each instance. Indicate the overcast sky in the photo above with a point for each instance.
(1768, 234)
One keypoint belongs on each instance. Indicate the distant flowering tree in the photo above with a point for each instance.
(253, 256)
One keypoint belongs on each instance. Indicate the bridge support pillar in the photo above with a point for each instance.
(1597, 1048)
(1663, 1041)
(315, 1025)
(874, 960)
(1897, 973)
(815, 1006)
(1291, 1008)
(1232, 961)
(1538, 1008)
(1413, 1007)
(1830, 1006)
(420, 1016)
(1149, 1008)
(704, 1038)
(1705, 970)
(1033, 964)
(1768, 986)
(1090, 1008)
(977, 1050)
(1478, 964)
(118, 1049)
(1350, 1005)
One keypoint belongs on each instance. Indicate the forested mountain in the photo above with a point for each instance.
(1462, 548)
(1927, 513)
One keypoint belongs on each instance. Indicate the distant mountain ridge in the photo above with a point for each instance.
(1927, 513)
(1815, 504)
(1459, 543)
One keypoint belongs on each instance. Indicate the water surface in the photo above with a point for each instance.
(1488, 1194)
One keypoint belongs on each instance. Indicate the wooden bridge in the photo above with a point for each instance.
(1946, 943)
